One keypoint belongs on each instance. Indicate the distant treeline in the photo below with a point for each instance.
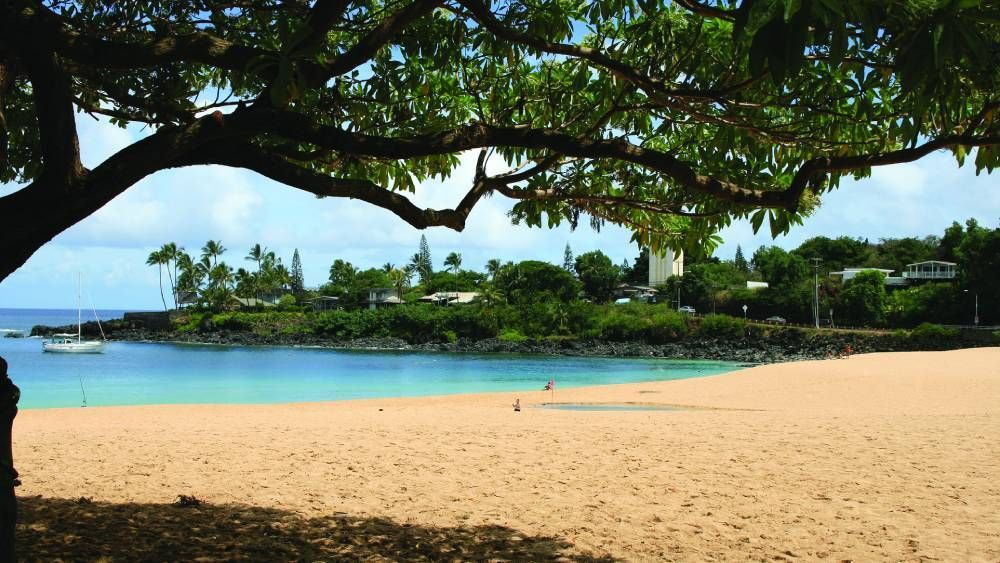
(539, 291)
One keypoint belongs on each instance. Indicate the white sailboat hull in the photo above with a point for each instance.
(82, 347)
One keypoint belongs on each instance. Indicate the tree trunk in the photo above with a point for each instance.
(9, 395)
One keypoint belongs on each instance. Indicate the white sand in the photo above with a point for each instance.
(882, 456)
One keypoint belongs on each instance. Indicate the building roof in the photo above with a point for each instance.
(932, 262)
(857, 270)
(461, 297)
(252, 302)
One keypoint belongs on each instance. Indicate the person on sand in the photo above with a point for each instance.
(517, 405)
(846, 353)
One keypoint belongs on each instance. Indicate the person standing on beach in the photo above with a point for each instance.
(517, 404)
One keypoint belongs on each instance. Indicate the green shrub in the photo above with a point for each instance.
(667, 327)
(190, 323)
(618, 326)
(996, 335)
(287, 302)
(638, 322)
(511, 335)
(929, 335)
(722, 326)
(450, 336)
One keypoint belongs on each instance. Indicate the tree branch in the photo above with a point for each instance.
(27, 229)
(703, 10)
(375, 40)
(818, 167)
(295, 126)
(200, 47)
(251, 157)
(653, 87)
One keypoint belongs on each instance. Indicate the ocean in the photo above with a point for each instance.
(131, 373)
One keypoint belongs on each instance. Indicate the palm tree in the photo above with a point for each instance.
(245, 283)
(400, 280)
(414, 263)
(454, 261)
(213, 249)
(490, 296)
(220, 280)
(188, 280)
(281, 277)
(492, 267)
(388, 267)
(158, 258)
(257, 254)
(170, 254)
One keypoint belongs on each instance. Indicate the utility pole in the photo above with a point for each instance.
(816, 262)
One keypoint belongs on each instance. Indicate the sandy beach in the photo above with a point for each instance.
(890, 456)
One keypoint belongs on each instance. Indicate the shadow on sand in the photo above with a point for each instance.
(53, 529)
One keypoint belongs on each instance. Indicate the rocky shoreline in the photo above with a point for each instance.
(775, 346)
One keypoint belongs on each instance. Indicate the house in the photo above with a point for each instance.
(248, 303)
(185, 298)
(642, 293)
(450, 297)
(379, 297)
(849, 274)
(755, 285)
(325, 303)
(930, 270)
(273, 296)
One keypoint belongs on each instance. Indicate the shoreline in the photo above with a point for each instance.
(880, 457)
(776, 344)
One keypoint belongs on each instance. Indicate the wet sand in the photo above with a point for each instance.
(882, 456)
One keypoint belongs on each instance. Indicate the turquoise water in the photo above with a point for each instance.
(138, 374)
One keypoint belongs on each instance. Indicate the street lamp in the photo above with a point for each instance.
(975, 319)
(744, 312)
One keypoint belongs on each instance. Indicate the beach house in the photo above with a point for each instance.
(445, 298)
(930, 270)
(381, 297)
(325, 303)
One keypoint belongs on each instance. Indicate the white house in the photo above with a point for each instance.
(662, 266)
(930, 270)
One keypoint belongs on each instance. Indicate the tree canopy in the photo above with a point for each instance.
(669, 118)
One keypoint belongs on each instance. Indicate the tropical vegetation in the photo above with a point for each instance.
(537, 298)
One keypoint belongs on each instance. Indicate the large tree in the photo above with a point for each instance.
(597, 275)
(671, 118)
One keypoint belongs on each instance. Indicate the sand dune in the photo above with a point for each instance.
(883, 456)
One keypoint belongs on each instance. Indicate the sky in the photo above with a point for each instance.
(189, 206)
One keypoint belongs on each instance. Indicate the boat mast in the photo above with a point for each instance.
(79, 288)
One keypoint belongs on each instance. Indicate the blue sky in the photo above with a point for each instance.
(192, 205)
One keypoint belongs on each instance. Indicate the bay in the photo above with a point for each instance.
(130, 373)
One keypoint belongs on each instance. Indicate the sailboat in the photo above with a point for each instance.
(74, 343)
